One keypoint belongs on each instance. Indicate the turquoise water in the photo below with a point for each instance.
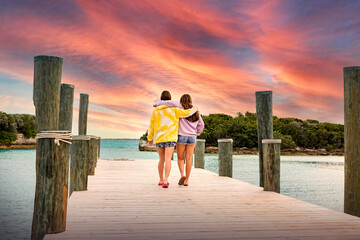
(17, 187)
(314, 179)
(111, 149)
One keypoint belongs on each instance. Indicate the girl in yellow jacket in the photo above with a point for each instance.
(163, 132)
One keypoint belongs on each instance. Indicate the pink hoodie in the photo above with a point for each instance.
(186, 128)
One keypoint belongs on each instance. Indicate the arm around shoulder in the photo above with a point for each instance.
(182, 113)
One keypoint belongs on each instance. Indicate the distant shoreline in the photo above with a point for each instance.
(286, 152)
(143, 146)
(17, 146)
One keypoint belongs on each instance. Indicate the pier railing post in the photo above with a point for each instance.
(46, 92)
(66, 107)
(51, 190)
(99, 145)
(271, 157)
(92, 155)
(225, 157)
(79, 163)
(66, 118)
(352, 140)
(83, 113)
(200, 153)
(264, 118)
(97, 149)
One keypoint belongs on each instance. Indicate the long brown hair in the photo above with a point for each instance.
(165, 95)
(186, 102)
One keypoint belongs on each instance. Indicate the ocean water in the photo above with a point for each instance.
(315, 179)
(17, 188)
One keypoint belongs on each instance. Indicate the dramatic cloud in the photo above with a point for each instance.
(124, 53)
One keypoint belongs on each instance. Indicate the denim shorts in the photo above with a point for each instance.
(165, 144)
(185, 140)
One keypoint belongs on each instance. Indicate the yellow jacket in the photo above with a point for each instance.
(164, 123)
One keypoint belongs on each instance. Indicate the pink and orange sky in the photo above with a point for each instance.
(124, 53)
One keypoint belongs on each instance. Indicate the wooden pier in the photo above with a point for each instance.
(123, 201)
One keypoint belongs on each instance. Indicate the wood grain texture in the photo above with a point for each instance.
(123, 201)
(200, 153)
(66, 107)
(271, 159)
(98, 146)
(264, 118)
(352, 140)
(52, 161)
(52, 172)
(83, 113)
(78, 166)
(92, 155)
(225, 157)
(46, 91)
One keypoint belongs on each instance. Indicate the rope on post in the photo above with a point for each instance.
(63, 136)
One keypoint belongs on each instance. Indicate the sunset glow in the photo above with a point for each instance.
(124, 53)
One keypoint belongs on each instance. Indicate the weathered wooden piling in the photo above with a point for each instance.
(225, 157)
(271, 157)
(83, 113)
(98, 146)
(96, 150)
(200, 153)
(46, 92)
(79, 163)
(66, 107)
(92, 155)
(51, 190)
(264, 124)
(66, 111)
(352, 140)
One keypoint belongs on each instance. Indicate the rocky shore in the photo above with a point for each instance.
(144, 146)
(296, 152)
(21, 143)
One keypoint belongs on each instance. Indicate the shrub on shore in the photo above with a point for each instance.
(11, 124)
(292, 131)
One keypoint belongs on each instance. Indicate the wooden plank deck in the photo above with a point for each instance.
(123, 201)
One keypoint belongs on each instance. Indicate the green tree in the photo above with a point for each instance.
(26, 124)
(11, 124)
(286, 140)
(7, 137)
(7, 123)
(144, 136)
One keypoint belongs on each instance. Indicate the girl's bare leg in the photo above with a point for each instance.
(180, 148)
(161, 152)
(189, 157)
(168, 153)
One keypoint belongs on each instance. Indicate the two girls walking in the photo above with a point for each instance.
(166, 133)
